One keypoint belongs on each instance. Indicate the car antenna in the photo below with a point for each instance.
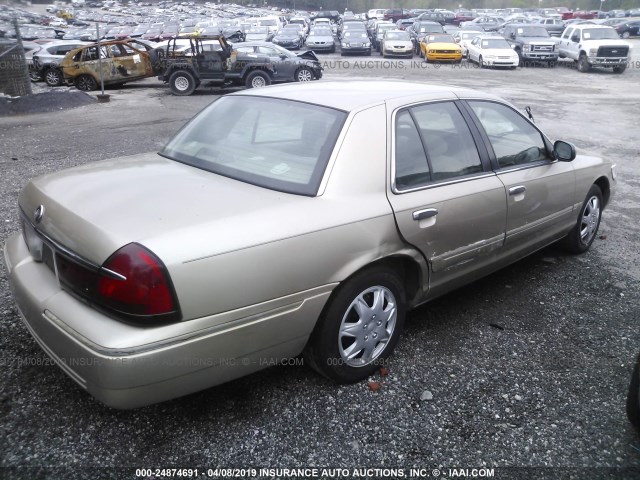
(528, 110)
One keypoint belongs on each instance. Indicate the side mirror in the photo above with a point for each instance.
(564, 151)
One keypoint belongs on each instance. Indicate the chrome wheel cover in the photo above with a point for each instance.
(367, 326)
(589, 220)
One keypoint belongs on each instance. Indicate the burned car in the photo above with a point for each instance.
(115, 63)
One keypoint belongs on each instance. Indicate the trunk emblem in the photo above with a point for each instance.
(38, 214)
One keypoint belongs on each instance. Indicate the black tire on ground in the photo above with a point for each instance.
(582, 235)
(86, 83)
(349, 344)
(625, 35)
(34, 76)
(304, 74)
(53, 77)
(182, 83)
(583, 64)
(481, 62)
(257, 79)
(633, 397)
(620, 68)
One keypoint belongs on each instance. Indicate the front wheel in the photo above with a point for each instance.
(182, 83)
(583, 64)
(360, 326)
(582, 235)
(304, 74)
(625, 35)
(481, 62)
(257, 79)
(86, 83)
(620, 68)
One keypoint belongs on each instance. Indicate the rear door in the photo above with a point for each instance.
(447, 201)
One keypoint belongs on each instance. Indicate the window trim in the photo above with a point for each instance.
(487, 167)
(487, 141)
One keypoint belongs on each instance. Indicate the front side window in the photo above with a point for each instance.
(514, 140)
(433, 143)
(277, 144)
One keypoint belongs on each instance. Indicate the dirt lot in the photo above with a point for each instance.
(528, 368)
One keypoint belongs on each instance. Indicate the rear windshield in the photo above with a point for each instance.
(253, 139)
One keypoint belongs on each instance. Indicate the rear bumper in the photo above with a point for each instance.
(185, 358)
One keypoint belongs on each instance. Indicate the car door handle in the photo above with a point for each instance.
(517, 190)
(426, 213)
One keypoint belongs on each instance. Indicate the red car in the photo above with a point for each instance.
(463, 16)
(395, 14)
(578, 14)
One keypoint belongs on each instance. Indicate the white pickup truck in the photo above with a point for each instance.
(594, 45)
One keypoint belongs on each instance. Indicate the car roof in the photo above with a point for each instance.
(357, 94)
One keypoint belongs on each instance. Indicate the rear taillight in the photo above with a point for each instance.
(134, 281)
(133, 284)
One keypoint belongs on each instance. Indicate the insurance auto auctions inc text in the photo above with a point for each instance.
(374, 473)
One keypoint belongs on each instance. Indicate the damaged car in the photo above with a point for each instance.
(288, 66)
(114, 63)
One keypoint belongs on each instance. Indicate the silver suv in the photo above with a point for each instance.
(44, 64)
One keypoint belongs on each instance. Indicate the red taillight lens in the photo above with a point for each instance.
(140, 287)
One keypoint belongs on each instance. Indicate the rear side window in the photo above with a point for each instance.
(514, 140)
(433, 143)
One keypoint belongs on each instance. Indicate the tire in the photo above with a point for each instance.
(551, 64)
(620, 68)
(86, 83)
(304, 74)
(182, 83)
(53, 77)
(334, 349)
(582, 235)
(481, 62)
(633, 398)
(257, 79)
(625, 35)
(34, 76)
(583, 64)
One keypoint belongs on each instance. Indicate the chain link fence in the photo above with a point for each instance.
(14, 71)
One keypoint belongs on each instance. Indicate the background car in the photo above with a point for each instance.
(290, 37)
(355, 41)
(321, 39)
(628, 29)
(464, 37)
(45, 62)
(492, 51)
(290, 67)
(396, 43)
(440, 48)
(421, 29)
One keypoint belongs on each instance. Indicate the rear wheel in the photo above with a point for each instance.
(582, 235)
(86, 83)
(359, 327)
(182, 83)
(53, 77)
(257, 79)
(625, 35)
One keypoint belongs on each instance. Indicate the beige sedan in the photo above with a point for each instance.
(301, 218)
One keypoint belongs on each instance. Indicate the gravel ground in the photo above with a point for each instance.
(525, 371)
